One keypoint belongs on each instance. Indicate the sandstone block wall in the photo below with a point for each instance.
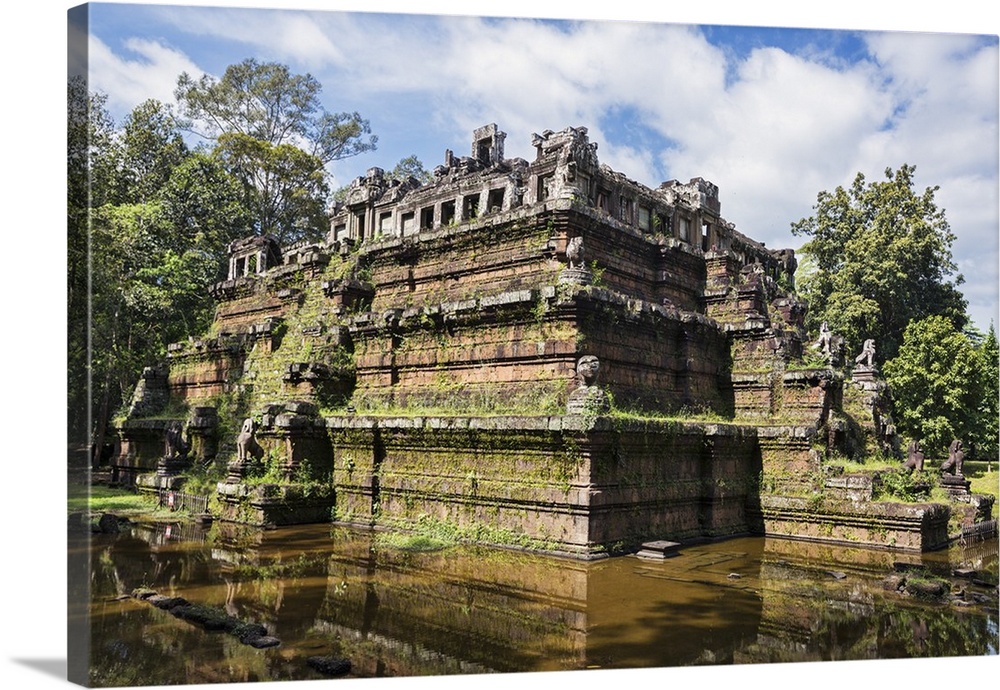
(557, 483)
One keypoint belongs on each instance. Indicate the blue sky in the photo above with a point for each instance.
(771, 115)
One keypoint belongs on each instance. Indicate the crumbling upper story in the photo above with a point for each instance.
(497, 276)
(566, 167)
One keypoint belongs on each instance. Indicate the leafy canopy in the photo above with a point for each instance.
(985, 435)
(265, 101)
(879, 257)
(272, 133)
(936, 382)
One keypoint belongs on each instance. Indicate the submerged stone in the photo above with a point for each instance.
(329, 665)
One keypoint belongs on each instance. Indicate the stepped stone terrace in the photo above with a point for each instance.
(542, 354)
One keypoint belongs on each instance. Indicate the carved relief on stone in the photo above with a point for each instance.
(367, 189)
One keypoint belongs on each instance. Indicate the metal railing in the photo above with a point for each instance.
(979, 531)
(178, 500)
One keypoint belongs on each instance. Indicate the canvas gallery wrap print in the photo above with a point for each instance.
(543, 345)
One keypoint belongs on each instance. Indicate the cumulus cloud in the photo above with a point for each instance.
(151, 72)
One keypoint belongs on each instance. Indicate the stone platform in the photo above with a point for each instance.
(956, 485)
(658, 550)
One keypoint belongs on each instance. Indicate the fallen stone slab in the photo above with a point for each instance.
(211, 619)
(929, 589)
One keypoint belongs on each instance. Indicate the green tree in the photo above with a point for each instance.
(985, 435)
(410, 166)
(150, 222)
(150, 147)
(880, 257)
(204, 204)
(90, 171)
(936, 382)
(274, 135)
(284, 187)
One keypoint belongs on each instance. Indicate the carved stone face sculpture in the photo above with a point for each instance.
(587, 368)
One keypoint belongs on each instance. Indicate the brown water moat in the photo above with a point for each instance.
(326, 590)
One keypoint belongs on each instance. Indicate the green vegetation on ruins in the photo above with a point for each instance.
(877, 265)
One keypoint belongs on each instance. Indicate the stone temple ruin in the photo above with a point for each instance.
(541, 354)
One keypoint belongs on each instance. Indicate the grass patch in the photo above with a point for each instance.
(102, 499)
(411, 542)
(984, 479)
(705, 417)
(854, 467)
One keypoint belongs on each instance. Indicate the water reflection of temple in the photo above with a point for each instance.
(476, 610)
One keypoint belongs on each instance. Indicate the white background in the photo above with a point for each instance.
(32, 280)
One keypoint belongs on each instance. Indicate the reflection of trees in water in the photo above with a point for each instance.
(470, 611)
(807, 618)
(935, 631)
(146, 557)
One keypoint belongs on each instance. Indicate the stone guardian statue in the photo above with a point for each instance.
(867, 356)
(953, 465)
(588, 398)
(247, 448)
(914, 457)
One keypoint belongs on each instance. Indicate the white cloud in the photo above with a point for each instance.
(784, 129)
(305, 38)
(152, 73)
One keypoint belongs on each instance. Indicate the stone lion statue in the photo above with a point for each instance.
(587, 368)
(175, 445)
(588, 397)
(953, 465)
(867, 356)
(247, 447)
(914, 457)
